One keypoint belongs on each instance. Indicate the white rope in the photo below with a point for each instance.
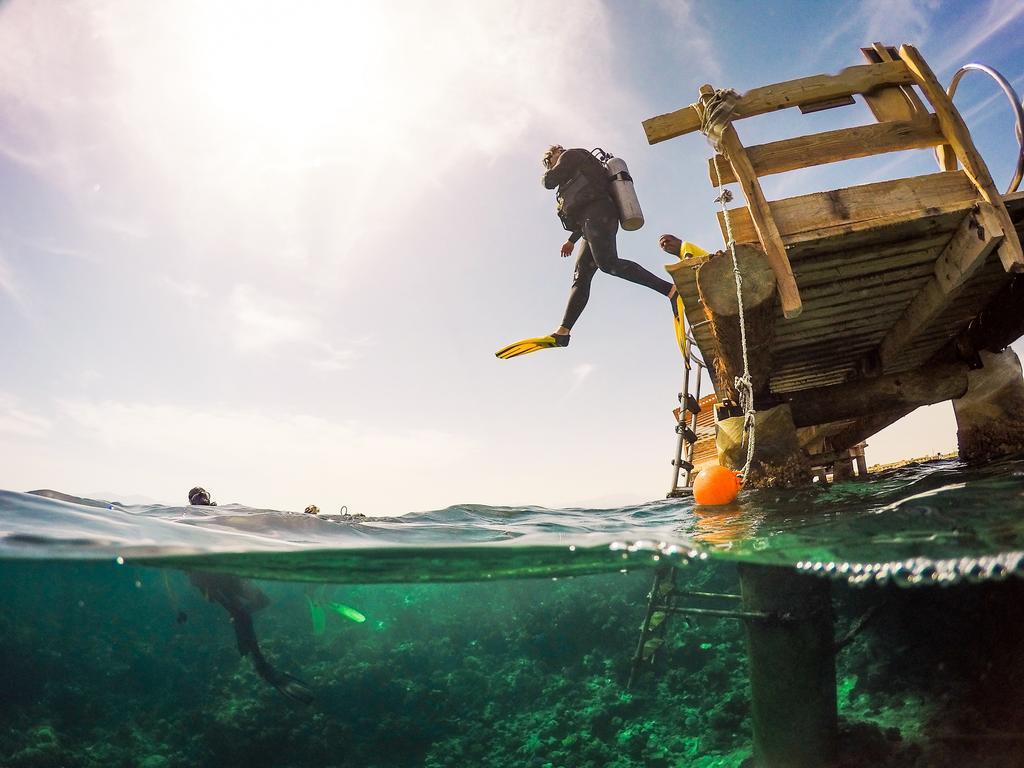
(715, 118)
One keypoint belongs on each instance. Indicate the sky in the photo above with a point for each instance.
(270, 248)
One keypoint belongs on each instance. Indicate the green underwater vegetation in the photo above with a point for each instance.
(122, 666)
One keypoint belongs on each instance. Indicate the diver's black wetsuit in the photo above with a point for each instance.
(240, 599)
(586, 206)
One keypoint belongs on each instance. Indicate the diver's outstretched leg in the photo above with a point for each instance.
(579, 294)
(600, 227)
(290, 686)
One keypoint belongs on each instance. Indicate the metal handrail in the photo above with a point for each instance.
(1018, 111)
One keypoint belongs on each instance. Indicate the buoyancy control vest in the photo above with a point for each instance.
(596, 175)
(587, 183)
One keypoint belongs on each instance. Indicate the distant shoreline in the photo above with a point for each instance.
(905, 462)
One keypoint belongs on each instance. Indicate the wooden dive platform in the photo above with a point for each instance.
(881, 296)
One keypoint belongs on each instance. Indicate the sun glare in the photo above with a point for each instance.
(292, 77)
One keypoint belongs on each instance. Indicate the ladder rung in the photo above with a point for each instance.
(718, 595)
(691, 404)
(686, 432)
(683, 464)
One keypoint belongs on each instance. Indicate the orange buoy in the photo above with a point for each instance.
(716, 485)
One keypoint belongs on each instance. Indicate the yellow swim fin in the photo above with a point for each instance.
(526, 346)
(678, 319)
(687, 250)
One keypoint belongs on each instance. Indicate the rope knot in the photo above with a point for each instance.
(717, 114)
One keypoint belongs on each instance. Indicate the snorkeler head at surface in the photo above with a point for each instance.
(200, 497)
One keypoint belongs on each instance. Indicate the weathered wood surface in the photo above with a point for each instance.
(792, 93)
(868, 208)
(976, 237)
(886, 249)
(862, 429)
(891, 103)
(760, 216)
(955, 130)
(912, 389)
(832, 146)
(716, 286)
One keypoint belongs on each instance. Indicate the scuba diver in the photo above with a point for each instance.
(587, 209)
(241, 599)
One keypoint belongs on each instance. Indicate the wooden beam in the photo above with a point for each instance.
(955, 130)
(899, 103)
(980, 232)
(833, 146)
(996, 327)
(864, 428)
(844, 212)
(973, 241)
(792, 93)
(863, 397)
(760, 215)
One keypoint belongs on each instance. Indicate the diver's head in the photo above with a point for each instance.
(312, 509)
(200, 497)
(551, 155)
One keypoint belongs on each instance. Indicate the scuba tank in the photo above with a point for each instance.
(622, 190)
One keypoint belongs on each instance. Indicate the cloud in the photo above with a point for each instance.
(888, 21)
(16, 421)
(172, 122)
(700, 51)
(189, 291)
(261, 322)
(7, 284)
(981, 26)
(581, 373)
(283, 460)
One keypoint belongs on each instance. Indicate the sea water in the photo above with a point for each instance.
(483, 636)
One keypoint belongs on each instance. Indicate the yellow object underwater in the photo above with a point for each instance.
(526, 346)
(348, 613)
(316, 613)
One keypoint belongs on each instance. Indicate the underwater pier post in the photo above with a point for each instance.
(791, 667)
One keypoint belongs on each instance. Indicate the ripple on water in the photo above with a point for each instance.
(936, 523)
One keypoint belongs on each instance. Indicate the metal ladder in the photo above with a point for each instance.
(664, 600)
(686, 427)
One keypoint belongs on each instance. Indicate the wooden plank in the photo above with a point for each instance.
(955, 130)
(792, 93)
(850, 352)
(969, 248)
(863, 267)
(966, 252)
(760, 217)
(878, 281)
(842, 212)
(924, 386)
(839, 307)
(822, 260)
(821, 106)
(864, 428)
(899, 103)
(841, 325)
(833, 146)
(875, 327)
(934, 222)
